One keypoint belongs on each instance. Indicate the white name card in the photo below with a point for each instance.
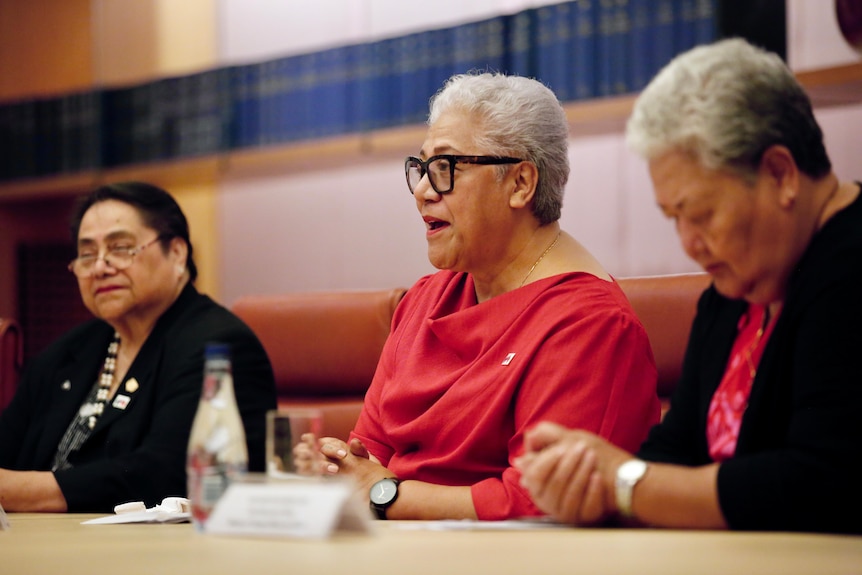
(306, 508)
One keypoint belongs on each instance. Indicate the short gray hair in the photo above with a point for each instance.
(516, 117)
(726, 104)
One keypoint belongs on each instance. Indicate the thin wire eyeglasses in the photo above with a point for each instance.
(441, 169)
(119, 257)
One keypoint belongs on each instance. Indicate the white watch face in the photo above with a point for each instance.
(628, 474)
(631, 470)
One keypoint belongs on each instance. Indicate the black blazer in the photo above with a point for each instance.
(137, 453)
(800, 444)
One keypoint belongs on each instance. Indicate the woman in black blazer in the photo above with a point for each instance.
(103, 415)
(763, 430)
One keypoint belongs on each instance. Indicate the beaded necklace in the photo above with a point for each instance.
(106, 380)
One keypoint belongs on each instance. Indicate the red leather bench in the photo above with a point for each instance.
(324, 346)
(666, 306)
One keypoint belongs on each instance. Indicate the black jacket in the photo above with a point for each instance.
(800, 444)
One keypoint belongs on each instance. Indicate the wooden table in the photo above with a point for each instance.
(59, 544)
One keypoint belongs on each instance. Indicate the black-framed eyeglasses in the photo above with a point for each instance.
(119, 256)
(441, 169)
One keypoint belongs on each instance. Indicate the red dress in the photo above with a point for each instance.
(459, 382)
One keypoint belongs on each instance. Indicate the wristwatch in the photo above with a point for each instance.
(382, 495)
(628, 474)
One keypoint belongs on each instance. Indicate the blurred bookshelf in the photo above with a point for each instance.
(828, 87)
(357, 102)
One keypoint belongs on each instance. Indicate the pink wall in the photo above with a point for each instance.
(357, 226)
(349, 227)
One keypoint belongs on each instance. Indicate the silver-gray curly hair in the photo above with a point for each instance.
(725, 104)
(517, 117)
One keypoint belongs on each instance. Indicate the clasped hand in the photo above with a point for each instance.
(329, 456)
(569, 473)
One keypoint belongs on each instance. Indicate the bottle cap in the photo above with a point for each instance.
(216, 349)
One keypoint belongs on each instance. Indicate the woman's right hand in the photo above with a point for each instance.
(353, 460)
(326, 456)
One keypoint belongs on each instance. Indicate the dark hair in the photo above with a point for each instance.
(157, 209)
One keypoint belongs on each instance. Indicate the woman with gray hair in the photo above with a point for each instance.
(521, 324)
(763, 430)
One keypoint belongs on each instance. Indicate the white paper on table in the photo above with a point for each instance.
(170, 510)
(529, 524)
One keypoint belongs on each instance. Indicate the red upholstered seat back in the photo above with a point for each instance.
(666, 306)
(324, 346)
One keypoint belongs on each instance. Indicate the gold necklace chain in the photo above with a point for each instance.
(752, 368)
(541, 257)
